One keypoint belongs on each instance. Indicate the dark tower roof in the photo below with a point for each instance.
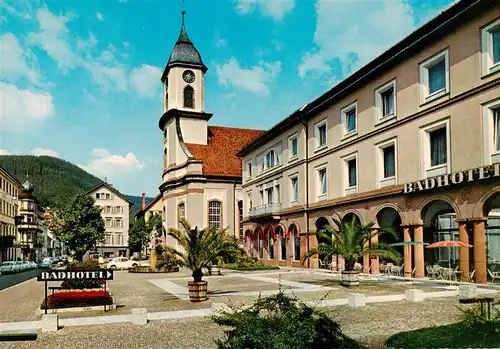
(184, 53)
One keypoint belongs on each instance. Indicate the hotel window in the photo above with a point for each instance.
(348, 117)
(385, 102)
(119, 223)
(270, 194)
(108, 222)
(434, 77)
(97, 195)
(270, 158)
(351, 174)
(109, 239)
(294, 183)
(322, 183)
(181, 214)
(436, 148)
(249, 169)
(491, 131)
(293, 146)
(320, 134)
(490, 47)
(215, 214)
(108, 196)
(249, 200)
(387, 163)
(261, 195)
(240, 218)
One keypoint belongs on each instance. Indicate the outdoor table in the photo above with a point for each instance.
(480, 300)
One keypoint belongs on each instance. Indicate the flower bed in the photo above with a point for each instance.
(147, 269)
(70, 299)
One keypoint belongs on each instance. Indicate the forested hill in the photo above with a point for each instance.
(55, 180)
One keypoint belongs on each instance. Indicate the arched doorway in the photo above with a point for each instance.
(440, 224)
(268, 236)
(491, 210)
(388, 218)
(283, 240)
(348, 217)
(321, 222)
(293, 232)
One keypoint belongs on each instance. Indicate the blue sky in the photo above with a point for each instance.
(81, 79)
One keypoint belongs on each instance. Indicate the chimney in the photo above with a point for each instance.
(143, 201)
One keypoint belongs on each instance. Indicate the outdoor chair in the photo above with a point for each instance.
(388, 268)
(322, 264)
(494, 275)
(471, 276)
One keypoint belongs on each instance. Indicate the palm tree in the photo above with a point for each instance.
(351, 240)
(201, 247)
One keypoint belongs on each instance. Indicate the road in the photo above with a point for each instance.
(8, 280)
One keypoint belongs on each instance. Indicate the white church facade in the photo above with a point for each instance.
(201, 172)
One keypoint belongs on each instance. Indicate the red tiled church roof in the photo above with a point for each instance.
(219, 155)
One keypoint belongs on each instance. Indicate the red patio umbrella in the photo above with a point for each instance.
(449, 243)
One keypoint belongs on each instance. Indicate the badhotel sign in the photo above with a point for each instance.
(454, 178)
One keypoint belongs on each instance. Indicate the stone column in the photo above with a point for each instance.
(374, 260)
(480, 275)
(418, 235)
(407, 252)
(366, 260)
(463, 236)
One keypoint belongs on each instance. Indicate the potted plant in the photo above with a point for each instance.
(198, 249)
(215, 268)
(351, 240)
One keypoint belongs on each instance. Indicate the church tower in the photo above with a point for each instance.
(184, 119)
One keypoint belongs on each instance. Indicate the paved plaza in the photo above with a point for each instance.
(175, 322)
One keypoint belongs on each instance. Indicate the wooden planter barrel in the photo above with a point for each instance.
(197, 291)
(350, 278)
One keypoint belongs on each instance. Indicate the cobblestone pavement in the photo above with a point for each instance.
(372, 325)
(19, 302)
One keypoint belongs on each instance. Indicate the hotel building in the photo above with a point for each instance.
(410, 141)
(9, 188)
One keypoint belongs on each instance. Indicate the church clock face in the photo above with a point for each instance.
(188, 76)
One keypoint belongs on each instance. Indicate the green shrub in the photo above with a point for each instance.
(280, 322)
(82, 284)
(166, 261)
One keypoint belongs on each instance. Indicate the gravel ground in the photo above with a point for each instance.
(371, 325)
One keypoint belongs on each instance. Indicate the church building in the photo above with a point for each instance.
(201, 172)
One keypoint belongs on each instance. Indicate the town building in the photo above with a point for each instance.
(9, 187)
(115, 212)
(30, 223)
(410, 141)
(202, 173)
(154, 207)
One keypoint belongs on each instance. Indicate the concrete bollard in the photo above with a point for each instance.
(356, 300)
(467, 291)
(414, 295)
(50, 322)
(139, 316)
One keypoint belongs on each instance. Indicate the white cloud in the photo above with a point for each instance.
(99, 16)
(103, 164)
(14, 62)
(220, 42)
(23, 12)
(23, 108)
(44, 151)
(254, 79)
(52, 37)
(4, 152)
(273, 8)
(145, 80)
(348, 35)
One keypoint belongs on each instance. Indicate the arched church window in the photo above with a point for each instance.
(188, 97)
(181, 213)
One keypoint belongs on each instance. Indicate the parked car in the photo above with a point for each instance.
(46, 263)
(9, 267)
(22, 265)
(122, 263)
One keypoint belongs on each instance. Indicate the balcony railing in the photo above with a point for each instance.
(265, 209)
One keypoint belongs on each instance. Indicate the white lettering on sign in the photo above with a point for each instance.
(452, 179)
(57, 275)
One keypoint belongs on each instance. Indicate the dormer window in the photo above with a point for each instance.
(188, 97)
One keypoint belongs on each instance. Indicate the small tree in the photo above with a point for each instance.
(138, 236)
(200, 247)
(351, 240)
(280, 322)
(80, 226)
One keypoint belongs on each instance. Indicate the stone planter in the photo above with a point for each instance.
(350, 278)
(197, 291)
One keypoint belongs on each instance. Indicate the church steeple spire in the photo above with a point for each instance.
(184, 53)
